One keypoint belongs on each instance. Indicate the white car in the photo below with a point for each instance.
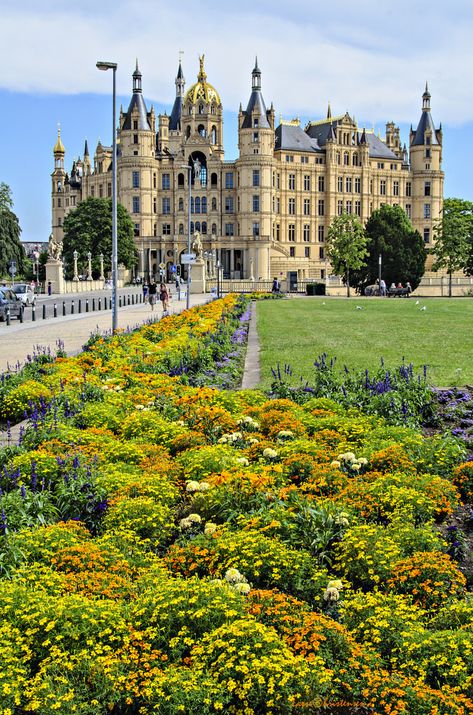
(24, 293)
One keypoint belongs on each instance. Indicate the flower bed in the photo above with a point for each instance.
(171, 547)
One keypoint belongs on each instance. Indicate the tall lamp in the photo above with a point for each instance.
(189, 178)
(113, 66)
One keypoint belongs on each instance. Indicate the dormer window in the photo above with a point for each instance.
(255, 136)
(427, 141)
(255, 122)
(201, 108)
(135, 124)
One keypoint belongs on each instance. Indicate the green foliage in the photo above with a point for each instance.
(89, 228)
(11, 248)
(453, 236)
(390, 233)
(346, 246)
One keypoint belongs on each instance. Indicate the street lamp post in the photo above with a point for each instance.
(75, 256)
(89, 265)
(113, 66)
(189, 178)
(380, 263)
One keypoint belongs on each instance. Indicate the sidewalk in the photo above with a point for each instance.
(20, 339)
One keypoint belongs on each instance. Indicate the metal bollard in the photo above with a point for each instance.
(100, 303)
(105, 303)
(128, 301)
(44, 311)
(55, 310)
(72, 307)
(21, 313)
(64, 307)
(93, 303)
(133, 299)
(8, 315)
(87, 305)
(79, 306)
(33, 313)
(120, 301)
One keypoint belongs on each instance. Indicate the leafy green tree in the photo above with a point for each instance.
(11, 248)
(391, 235)
(346, 246)
(89, 228)
(453, 236)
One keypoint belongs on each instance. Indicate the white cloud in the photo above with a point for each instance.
(371, 58)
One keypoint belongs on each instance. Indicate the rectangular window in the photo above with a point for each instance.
(408, 188)
(339, 207)
(155, 229)
(291, 182)
(166, 181)
(109, 190)
(321, 207)
(380, 165)
(136, 229)
(229, 180)
(292, 251)
(426, 235)
(289, 158)
(358, 208)
(135, 138)
(427, 153)
(228, 204)
(155, 207)
(291, 232)
(255, 204)
(306, 233)
(396, 188)
(291, 207)
(59, 203)
(307, 251)
(100, 190)
(358, 185)
(166, 229)
(92, 191)
(348, 184)
(349, 207)
(321, 183)
(229, 229)
(340, 183)
(321, 234)
(278, 234)
(154, 180)
(255, 228)
(408, 210)
(255, 177)
(166, 205)
(322, 253)
(306, 182)
(382, 187)
(427, 188)
(135, 182)
(255, 136)
(426, 210)
(136, 204)
(304, 159)
(306, 207)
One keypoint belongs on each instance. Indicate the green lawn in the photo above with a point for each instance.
(296, 330)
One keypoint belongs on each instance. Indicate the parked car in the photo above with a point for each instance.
(9, 300)
(24, 293)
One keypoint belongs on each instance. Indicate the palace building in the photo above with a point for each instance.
(266, 213)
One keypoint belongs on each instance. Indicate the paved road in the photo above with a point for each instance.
(20, 339)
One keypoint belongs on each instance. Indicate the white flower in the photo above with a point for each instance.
(331, 594)
(139, 407)
(242, 588)
(243, 461)
(363, 461)
(192, 486)
(232, 575)
(185, 524)
(285, 434)
(210, 528)
(335, 584)
(195, 518)
(253, 440)
(223, 439)
(347, 457)
(204, 486)
(342, 519)
(269, 453)
(335, 463)
(355, 466)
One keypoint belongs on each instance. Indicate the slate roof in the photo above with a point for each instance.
(293, 138)
(175, 118)
(137, 102)
(256, 101)
(426, 124)
(320, 132)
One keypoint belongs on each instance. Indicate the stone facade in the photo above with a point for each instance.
(266, 213)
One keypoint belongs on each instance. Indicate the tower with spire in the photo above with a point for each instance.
(58, 189)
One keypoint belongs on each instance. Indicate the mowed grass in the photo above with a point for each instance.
(297, 330)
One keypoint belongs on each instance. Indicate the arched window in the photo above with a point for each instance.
(214, 229)
(201, 108)
(181, 205)
(181, 229)
(204, 226)
(197, 226)
(188, 132)
(192, 227)
(204, 205)
(213, 179)
(355, 160)
(338, 157)
(212, 109)
(180, 180)
(214, 204)
(214, 135)
(346, 158)
(201, 130)
(197, 205)
(203, 176)
(192, 204)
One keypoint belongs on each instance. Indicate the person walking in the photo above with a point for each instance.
(152, 291)
(145, 291)
(50, 288)
(382, 287)
(164, 297)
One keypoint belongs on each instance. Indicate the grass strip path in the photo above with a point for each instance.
(360, 331)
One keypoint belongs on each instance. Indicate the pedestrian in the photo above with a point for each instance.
(408, 288)
(164, 297)
(382, 287)
(50, 288)
(145, 291)
(275, 287)
(152, 291)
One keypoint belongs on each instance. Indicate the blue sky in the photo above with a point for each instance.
(369, 58)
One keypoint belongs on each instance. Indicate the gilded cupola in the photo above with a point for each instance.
(202, 91)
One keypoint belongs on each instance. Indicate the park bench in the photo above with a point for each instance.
(400, 292)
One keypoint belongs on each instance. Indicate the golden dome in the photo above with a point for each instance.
(202, 90)
(59, 146)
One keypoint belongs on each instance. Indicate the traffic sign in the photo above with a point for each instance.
(187, 258)
(162, 266)
(12, 268)
(173, 269)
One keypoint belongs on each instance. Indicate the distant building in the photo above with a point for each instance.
(266, 213)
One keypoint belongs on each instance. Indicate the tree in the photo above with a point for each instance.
(89, 228)
(402, 250)
(453, 235)
(11, 248)
(346, 246)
